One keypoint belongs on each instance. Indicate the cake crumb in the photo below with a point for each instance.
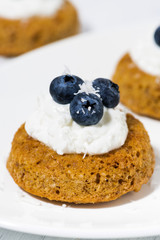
(157, 80)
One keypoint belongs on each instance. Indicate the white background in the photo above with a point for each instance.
(99, 15)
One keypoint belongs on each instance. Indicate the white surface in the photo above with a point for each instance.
(15, 9)
(7, 235)
(108, 14)
(52, 124)
(126, 217)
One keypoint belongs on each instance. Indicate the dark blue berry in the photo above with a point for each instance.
(63, 88)
(86, 109)
(108, 91)
(157, 36)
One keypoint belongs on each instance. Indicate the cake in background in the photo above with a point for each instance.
(29, 24)
(79, 146)
(138, 76)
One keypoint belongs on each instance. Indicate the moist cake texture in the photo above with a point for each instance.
(76, 178)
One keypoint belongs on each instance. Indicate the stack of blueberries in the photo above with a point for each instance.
(85, 108)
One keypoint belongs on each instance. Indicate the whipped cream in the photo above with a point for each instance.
(52, 124)
(16, 9)
(146, 55)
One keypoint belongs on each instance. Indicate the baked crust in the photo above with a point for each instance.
(20, 36)
(139, 91)
(73, 178)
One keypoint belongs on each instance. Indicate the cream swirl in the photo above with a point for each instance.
(17, 9)
(146, 55)
(52, 124)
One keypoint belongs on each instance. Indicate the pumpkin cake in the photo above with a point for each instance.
(77, 177)
(20, 34)
(138, 76)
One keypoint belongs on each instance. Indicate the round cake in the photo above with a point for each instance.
(138, 76)
(31, 24)
(40, 171)
(98, 174)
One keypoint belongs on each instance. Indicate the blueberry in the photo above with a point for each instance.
(86, 109)
(63, 88)
(157, 36)
(108, 91)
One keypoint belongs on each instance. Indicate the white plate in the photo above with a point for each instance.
(89, 56)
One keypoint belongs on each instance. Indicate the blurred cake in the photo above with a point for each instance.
(138, 76)
(75, 149)
(28, 24)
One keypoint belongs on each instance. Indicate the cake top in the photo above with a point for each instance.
(79, 117)
(146, 53)
(19, 9)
